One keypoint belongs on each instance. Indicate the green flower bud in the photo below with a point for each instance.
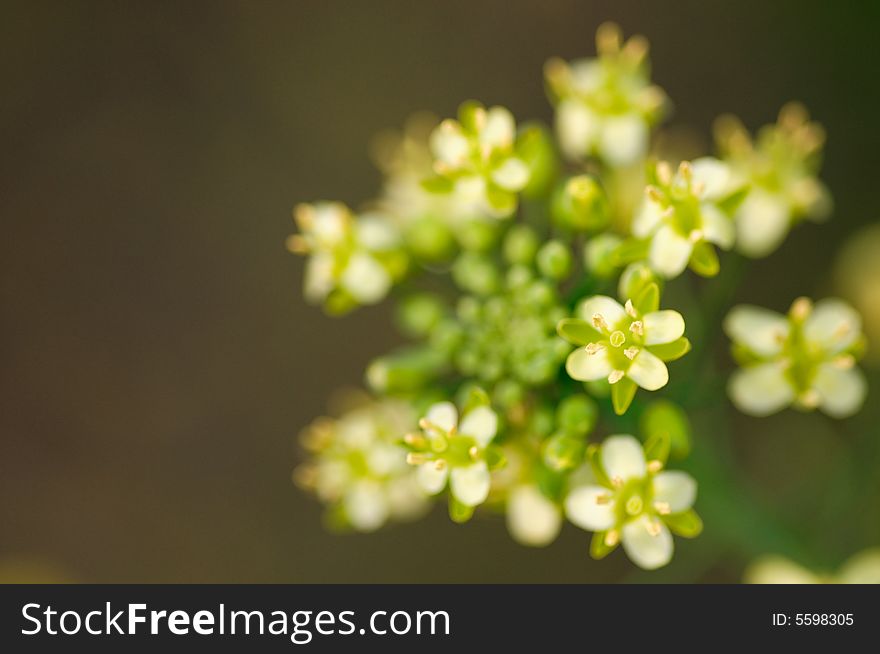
(477, 235)
(520, 244)
(476, 273)
(508, 393)
(535, 147)
(576, 415)
(665, 417)
(418, 314)
(599, 254)
(634, 279)
(430, 239)
(554, 260)
(580, 204)
(563, 452)
(404, 371)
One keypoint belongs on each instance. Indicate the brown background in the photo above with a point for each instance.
(157, 359)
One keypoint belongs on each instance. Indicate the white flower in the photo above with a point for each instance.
(681, 217)
(633, 502)
(861, 568)
(356, 257)
(622, 344)
(606, 106)
(806, 358)
(453, 451)
(532, 518)
(358, 468)
(779, 169)
(476, 154)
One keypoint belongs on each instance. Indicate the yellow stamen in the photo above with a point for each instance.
(631, 352)
(615, 376)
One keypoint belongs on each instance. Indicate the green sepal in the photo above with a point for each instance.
(577, 331)
(657, 446)
(622, 394)
(467, 112)
(472, 397)
(648, 300)
(671, 351)
(494, 457)
(665, 417)
(594, 458)
(631, 250)
(731, 203)
(459, 512)
(704, 259)
(501, 200)
(686, 524)
(598, 548)
(562, 452)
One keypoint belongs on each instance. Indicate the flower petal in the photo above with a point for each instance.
(500, 128)
(430, 478)
(444, 415)
(480, 423)
(717, 227)
(365, 506)
(512, 175)
(762, 221)
(863, 568)
(583, 508)
(623, 457)
(607, 307)
(584, 366)
(648, 216)
(648, 544)
(778, 570)
(841, 391)
(365, 278)
(623, 139)
(675, 488)
(761, 390)
(648, 371)
(470, 484)
(449, 144)
(669, 252)
(833, 325)
(532, 519)
(576, 128)
(762, 331)
(663, 326)
(713, 174)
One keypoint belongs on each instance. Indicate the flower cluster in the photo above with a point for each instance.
(352, 260)
(529, 268)
(779, 170)
(806, 358)
(606, 106)
(359, 468)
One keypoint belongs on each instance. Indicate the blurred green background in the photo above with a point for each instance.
(157, 358)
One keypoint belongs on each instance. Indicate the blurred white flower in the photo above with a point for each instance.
(475, 159)
(806, 358)
(606, 106)
(352, 260)
(780, 170)
(358, 468)
(532, 518)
